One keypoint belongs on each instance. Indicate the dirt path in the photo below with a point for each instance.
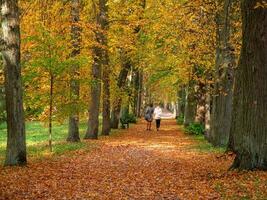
(133, 164)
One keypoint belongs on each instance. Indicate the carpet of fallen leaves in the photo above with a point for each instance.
(134, 164)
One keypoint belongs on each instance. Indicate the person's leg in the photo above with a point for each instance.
(150, 125)
(158, 124)
(147, 125)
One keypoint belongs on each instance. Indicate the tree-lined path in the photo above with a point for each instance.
(134, 164)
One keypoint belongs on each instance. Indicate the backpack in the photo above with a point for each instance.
(148, 114)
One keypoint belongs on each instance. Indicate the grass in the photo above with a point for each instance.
(204, 146)
(37, 139)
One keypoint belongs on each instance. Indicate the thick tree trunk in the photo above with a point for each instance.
(93, 122)
(222, 100)
(16, 141)
(190, 105)
(249, 122)
(99, 54)
(115, 114)
(106, 122)
(73, 135)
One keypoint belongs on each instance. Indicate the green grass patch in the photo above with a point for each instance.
(204, 146)
(37, 139)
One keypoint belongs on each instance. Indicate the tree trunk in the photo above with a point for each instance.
(2, 104)
(222, 100)
(106, 126)
(93, 122)
(98, 54)
(207, 114)
(249, 121)
(201, 103)
(115, 114)
(106, 100)
(51, 96)
(16, 140)
(181, 102)
(73, 135)
(190, 105)
(140, 94)
(136, 82)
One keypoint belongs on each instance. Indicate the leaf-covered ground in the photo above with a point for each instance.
(134, 164)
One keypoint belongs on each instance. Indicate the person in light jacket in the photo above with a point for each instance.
(157, 116)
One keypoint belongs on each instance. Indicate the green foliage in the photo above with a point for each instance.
(128, 118)
(132, 118)
(195, 129)
(180, 119)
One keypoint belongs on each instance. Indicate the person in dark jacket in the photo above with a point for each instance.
(149, 116)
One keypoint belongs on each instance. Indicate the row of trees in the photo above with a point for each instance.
(229, 97)
(114, 55)
(55, 44)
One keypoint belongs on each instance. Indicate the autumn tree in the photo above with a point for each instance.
(225, 61)
(106, 122)
(249, 119)
(74, 82)
(98, 61)
(116, 108)
(16, 141)
(190, 105)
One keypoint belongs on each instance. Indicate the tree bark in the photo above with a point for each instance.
(190, 105)
(106, 99)
(201, 103)
(98, 52)
(140, 94)
(222, 100)
(73, 135)
(207, 114)
(249, 121)
(2, 104)
(181, 95)
(115, 114)
(16, 140)
(50, 122)
(93, 122)
(106, 123)
(136, 82)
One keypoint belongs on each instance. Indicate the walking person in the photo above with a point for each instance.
(149, 116)
(158, 113)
